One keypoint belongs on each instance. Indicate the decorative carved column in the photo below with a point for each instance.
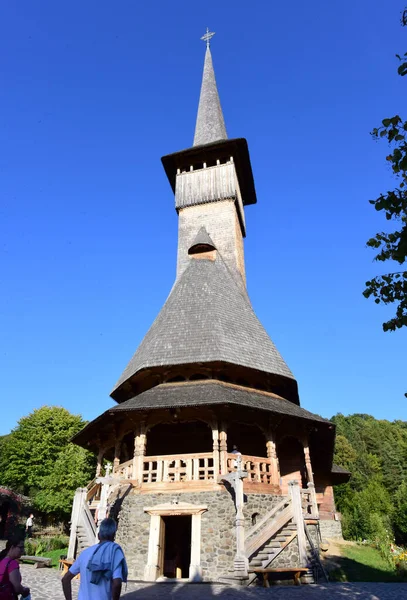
(140, 441)
(223, 450)
(215, 439)
(308, 465)
(235, 479)
(117, 449)
(99, 462)
(272, 454)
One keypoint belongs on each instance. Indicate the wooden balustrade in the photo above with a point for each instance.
(194, 467)
(258, 469)
(188, 467)
(124, 470)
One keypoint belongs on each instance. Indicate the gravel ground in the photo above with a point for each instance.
(45, 584)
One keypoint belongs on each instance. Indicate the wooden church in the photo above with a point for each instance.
(215, 469)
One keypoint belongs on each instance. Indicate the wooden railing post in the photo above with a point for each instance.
(295, 493)
(75, 517)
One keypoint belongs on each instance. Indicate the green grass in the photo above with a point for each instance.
(55, 554)
(364, 563)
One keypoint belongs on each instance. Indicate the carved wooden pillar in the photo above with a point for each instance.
(140, 441)
(223, 450)
(99, 462)
(215, 446)
(272, 454)
(308, 465)
(117, 449)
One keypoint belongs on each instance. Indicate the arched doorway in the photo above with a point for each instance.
(291, 458)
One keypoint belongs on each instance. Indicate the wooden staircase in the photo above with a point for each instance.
(83, 526)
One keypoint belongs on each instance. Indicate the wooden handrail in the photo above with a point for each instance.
(269, 516)
(176, 456)
(269, 530)
(247, 457)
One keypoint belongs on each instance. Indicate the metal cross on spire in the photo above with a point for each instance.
(207, 37)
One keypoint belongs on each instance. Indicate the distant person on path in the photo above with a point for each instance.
(10, 576)
(102, 567)
(29, 526)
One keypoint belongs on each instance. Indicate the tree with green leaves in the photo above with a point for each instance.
(38, 460)
(373, 503)
(391, 287)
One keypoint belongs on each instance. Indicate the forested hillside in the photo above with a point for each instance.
(374, 502)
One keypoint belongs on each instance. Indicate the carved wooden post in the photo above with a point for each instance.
(116, 460)
(272, 454)
(140, 441)
(308, 465)
(102, 509)
(241, 563)
(215, 439)
(78, 501)
(295, 493)
(99, 462)
(223, 450)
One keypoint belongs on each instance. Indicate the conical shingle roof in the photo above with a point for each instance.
(207, 318)
(210, 125)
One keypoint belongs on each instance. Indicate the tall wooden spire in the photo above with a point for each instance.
(210, 125)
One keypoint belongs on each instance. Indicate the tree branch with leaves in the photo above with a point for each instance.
(391, 288)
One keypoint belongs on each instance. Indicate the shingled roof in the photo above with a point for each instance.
(207, 318)
(172, 395)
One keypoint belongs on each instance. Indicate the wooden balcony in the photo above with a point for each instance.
(194, 471)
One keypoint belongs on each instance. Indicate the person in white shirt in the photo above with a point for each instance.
(102, 568)
(29, 525)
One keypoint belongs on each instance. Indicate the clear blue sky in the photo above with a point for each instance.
(94, 93)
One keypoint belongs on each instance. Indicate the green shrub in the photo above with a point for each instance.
(58, 542)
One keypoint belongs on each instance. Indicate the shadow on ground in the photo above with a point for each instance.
(206, 591)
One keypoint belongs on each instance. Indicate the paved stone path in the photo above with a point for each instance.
(45, 584)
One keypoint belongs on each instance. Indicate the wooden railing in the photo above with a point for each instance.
(309, 502)
(258, 469)
(193, 467)
(269, 526)
(124, 470)
(188, 467)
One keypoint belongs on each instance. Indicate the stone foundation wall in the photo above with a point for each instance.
(218, 542)
(331, 529)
